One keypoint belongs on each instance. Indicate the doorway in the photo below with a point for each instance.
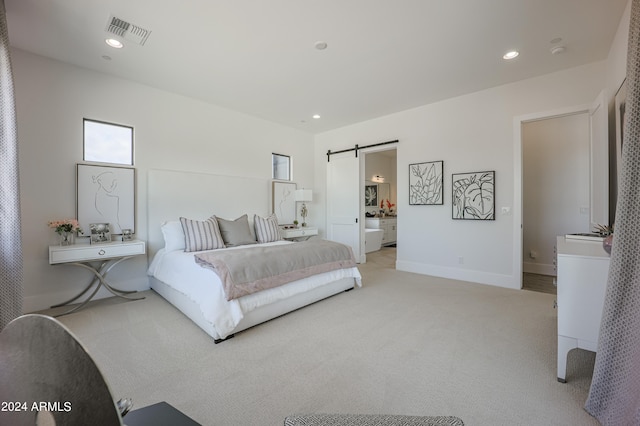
(555, 182)
(379, 207)
(564, 188)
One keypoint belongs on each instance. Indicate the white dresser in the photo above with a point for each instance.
(388, 224)
(583, 269)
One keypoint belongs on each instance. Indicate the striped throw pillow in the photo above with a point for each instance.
(201, 235)
(266, 228)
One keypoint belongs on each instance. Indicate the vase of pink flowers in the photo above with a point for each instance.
(66, 229)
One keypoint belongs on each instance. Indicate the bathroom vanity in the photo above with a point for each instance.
(388, 224)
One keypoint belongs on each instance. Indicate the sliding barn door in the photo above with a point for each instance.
(343, 201)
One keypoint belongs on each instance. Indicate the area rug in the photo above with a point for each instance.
(370, 420)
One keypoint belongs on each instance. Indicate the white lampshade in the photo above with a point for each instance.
(304, 195)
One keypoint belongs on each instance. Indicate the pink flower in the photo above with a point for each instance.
(65, 225)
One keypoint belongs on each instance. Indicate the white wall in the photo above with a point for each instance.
(472, 132)
(469, 133)
(555, 171)
(171, 132)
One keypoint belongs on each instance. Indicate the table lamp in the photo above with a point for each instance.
(304, 195)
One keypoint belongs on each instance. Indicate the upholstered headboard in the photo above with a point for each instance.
(172, 194)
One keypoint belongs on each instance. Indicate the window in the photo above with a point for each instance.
(281, 167)
(107, 142)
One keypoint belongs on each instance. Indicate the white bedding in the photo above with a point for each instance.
(179, 270)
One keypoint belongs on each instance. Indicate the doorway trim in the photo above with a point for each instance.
(518, 188)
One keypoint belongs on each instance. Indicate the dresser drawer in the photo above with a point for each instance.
(298, 232)
(88, 252)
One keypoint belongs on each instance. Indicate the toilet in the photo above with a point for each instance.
(372, 239)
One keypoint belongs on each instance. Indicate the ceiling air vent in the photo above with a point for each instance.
(127, 30)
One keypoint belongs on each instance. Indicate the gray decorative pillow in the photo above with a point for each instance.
(236, 232)
(266, 228)
(201, 235)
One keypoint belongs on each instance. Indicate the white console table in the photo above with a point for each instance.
(294, 234)
(105, 256)
(583, 269)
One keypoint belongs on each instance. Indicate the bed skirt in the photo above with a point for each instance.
(262, 314)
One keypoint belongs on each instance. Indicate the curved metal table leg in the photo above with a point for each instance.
(93, 281)
(99, 277)
(83, 304)
(104, 269)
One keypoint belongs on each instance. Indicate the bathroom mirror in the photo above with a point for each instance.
(384, 192)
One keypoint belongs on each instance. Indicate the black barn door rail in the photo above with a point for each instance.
(356, 148)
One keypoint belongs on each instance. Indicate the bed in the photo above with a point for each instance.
(197, 290)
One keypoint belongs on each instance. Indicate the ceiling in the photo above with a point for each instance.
(259, 57)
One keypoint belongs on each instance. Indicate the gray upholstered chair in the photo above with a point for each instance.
(370, 420)
(47, 377)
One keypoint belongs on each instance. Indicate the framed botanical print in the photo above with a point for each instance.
(371, 195)
(473, 195)
(425, 183)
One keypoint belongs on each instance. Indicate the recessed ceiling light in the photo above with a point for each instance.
(106, 57)
(511, 55)
(321, 45)
(114, 43)
(316, 116)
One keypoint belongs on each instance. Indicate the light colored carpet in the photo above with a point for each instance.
(403, 344)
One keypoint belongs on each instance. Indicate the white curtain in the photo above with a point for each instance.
(614, 397)
(10, 235)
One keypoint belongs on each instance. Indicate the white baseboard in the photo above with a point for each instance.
(41, 301)
(481, 277)
(539, 268)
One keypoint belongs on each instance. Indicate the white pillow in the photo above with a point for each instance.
(267, 229)
(173, 235)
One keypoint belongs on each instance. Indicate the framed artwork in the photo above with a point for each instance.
(100, 233)
(425, 183)
(107, 142)
(473, 195)
(106, 195)
(280, 167)
(371, 195)
(621, 107)
(283, 202)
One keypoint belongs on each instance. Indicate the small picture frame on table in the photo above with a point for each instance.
(100, 233)
(127, 235)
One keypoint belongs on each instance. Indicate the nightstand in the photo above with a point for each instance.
(298, 234)
(105, 255)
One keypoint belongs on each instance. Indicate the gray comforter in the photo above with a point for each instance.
(252, 269)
